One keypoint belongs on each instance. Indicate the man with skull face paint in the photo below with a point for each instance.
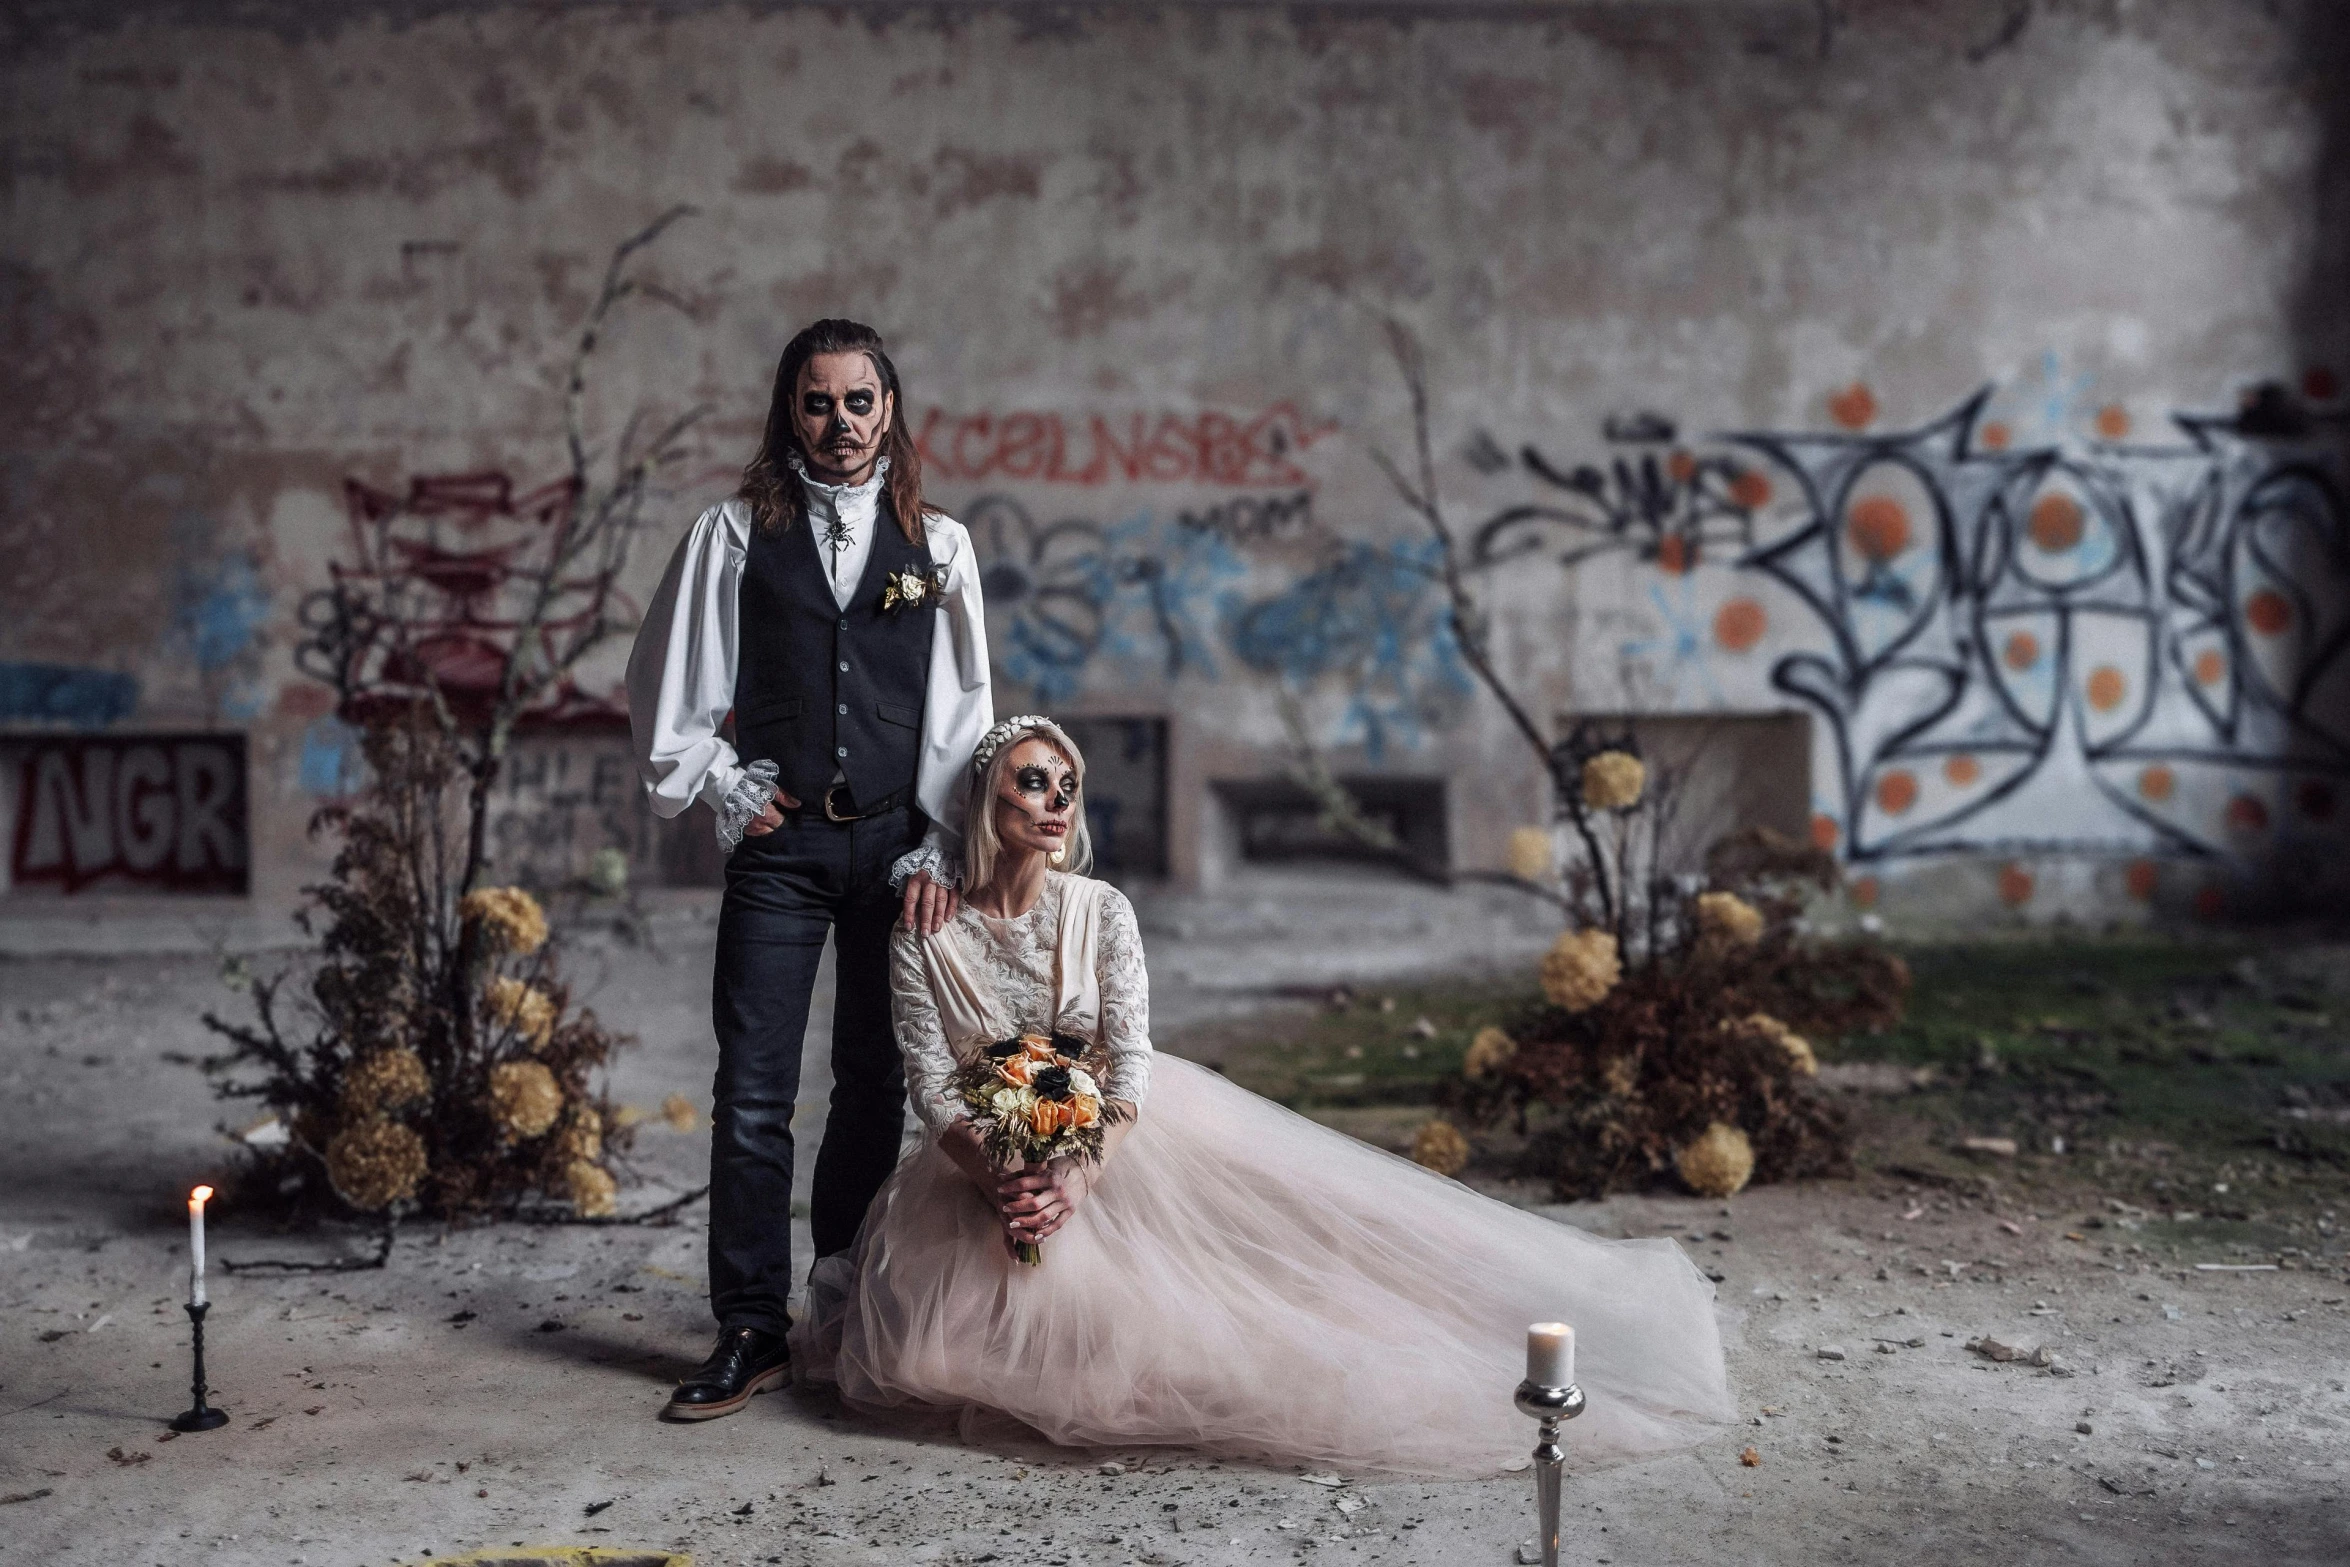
(837, 620)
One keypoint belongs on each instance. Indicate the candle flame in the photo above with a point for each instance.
(199, 1197)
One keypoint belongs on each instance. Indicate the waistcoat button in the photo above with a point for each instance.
(844, 666)
(840, 750)
(844, 710)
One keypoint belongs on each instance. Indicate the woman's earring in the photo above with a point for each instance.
(1058, 854)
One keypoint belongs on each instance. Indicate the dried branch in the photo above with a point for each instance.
(1469, 625)
(665, 1214)
(383, 1254)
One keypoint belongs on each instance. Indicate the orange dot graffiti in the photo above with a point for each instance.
(1739, 625)
(1855, 408)
(1879, 526)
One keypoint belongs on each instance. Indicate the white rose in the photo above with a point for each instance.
(1081, 1082)
(1005, 1100)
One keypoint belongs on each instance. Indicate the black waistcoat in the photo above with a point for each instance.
(819, 688)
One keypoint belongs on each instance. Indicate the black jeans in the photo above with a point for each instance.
(783, 891)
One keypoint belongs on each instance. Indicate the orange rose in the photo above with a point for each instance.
(1083, 1110)
(1040, 1047)
(1045, 1119)
(1017, 1069)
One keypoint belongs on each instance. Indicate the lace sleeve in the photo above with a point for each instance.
(922, 1039)
(929, 856)
(1126, 1001)
(744, 802)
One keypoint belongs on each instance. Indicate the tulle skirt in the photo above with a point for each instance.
(1245, 1283)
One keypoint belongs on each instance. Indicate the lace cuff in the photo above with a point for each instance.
(926, 858)
(744, 802)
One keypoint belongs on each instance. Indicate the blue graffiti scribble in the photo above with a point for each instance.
(1161, 585)
(332, 763)
(1137, 597)
(63, 694)
(1682, 647)
(221, 609)
(1373, 618)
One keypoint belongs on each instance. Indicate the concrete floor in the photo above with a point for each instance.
(499, 1385)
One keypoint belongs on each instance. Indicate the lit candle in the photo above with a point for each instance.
(1550, 1355)
(196, 1201)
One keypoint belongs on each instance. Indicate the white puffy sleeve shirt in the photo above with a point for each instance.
(681, 681)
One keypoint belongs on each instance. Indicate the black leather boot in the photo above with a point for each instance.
(746, 1361)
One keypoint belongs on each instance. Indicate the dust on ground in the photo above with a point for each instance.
(499, 1384)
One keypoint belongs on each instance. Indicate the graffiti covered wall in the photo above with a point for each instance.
(1882, 363)
(2125, 651)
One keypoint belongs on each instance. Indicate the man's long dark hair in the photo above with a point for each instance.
(777, 502)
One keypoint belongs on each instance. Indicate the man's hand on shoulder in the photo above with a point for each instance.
(929, 904)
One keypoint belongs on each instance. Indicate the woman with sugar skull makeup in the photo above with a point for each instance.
(836, 620)
(1230, 1277)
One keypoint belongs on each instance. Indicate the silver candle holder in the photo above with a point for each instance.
(1553, 1406)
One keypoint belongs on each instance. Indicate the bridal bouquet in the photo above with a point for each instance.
(1032, 1101)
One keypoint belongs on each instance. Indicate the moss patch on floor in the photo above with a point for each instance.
(2210, 1078)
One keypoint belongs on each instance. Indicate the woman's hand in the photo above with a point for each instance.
(1037, 1201)
(960, 1142)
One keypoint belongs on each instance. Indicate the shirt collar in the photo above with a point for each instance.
(854, 502)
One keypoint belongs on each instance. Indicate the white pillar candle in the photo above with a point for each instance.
(196, 1201)
(1550, 1355)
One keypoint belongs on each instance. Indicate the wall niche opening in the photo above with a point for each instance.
(1276, 822)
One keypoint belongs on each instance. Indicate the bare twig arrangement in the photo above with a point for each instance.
(558, 580)
(442, 1065)
(1561, 761)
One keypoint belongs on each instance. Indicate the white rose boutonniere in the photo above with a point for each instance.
(912, 589)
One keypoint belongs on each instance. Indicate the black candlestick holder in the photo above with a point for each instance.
(200, 1416)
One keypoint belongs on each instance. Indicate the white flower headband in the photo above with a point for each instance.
(1002, 735)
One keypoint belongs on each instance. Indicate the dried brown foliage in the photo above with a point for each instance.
(398, 968)
(1643, 1065)
(414, 953)
(1624, 1085)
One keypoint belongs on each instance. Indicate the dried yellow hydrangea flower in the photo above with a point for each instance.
(583, 1133)
(1797, 1048)
(680, 1113)
(525, 1096)
(526, 1009)
(375, 1163)
(591, 1188)
(1728, 917)
(1531, 854)
(1488, 1053)
(1620, 1077)
(1440, 1146)
(1720, 1162)
(1580, 969)
(383, 1083)
(510, 917)
(1612, 781)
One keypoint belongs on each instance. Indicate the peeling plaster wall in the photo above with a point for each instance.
(1708, 295)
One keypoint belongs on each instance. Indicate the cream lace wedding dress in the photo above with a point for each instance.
(1241, 1281)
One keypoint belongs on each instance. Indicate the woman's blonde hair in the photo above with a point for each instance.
(981, 844)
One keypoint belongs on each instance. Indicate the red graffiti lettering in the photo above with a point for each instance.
(1048, 448)
(158, 811)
